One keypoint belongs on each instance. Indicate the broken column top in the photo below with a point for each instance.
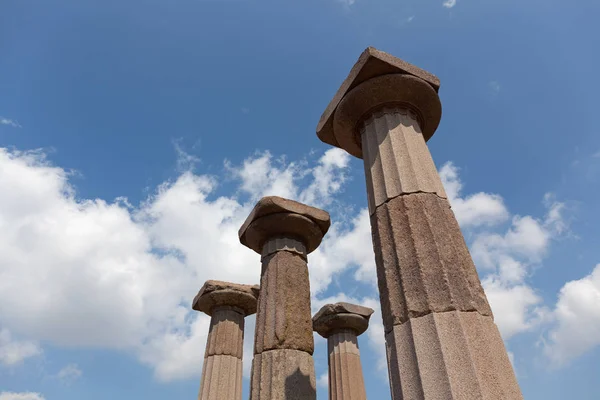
(217, 294)
(275, 216)
(373, 64)
(341, 316)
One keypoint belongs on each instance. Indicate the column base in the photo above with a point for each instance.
(450, 355)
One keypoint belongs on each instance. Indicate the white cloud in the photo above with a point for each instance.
(476, 209)
(505, 259)
(87, 272)
(13, 351)
(508, 260)
(449, 3)
(20, 396)
(517, 308)
(81, 272)
(9, 122)
(495, 88)
(577, 316)
(323, 380)
(69, 373)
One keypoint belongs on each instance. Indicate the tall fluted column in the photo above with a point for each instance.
(227, 304)
(283, 232)
(341, 324)
(441, 339)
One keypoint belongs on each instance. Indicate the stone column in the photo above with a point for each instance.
(283, 232)
(227, 304)
(441, 339)
(341, 324)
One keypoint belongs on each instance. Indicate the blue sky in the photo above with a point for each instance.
(135, 137)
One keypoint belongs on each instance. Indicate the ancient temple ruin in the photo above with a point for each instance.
(441, 340)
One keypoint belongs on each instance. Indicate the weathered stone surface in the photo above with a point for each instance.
(283, 244)
(283, 320)
(226, 333)
(217, 293)
(371, 64)
(397, 90)
(423, 263)
(346, 380)
(275, 216)
(396, 158)
(221, 378)
(341, 316)
(283, 374)
(450, 355)
(341, 323)
(227, 304)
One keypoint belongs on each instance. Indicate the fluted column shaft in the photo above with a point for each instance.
(283, 366)
(441, 340)
(345, 370)
(222, 371)
(227, 304)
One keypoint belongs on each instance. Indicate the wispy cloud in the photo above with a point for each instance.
(21, 396)
(69, 374)
(449, 3)
(494, 87)
(9, 122)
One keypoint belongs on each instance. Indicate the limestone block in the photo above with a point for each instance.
(423, 264)
(372, 63)
(283, 320)
(217, 293)
(221, 378)
(226, 334)
(450, 355)
(396, 158)
(341, 316)
(346, 380)
(283, 374)
(275, 216)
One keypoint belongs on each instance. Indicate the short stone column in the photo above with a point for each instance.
(283, 232)
(227, 304)
(341, 324)
(441, 339)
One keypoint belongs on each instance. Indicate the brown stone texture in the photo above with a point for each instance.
(283, 320)
(226, 333)
(396, 158)
(423, 263)
(283, 244)
(450, 355)
(275, 216)
(222, 371)
(283, 374)
(371, 64)
(385, 91)
(346, 380)
(221, 378)
(341, 316)
(218, 293)
(341, 323)
(227, 304)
